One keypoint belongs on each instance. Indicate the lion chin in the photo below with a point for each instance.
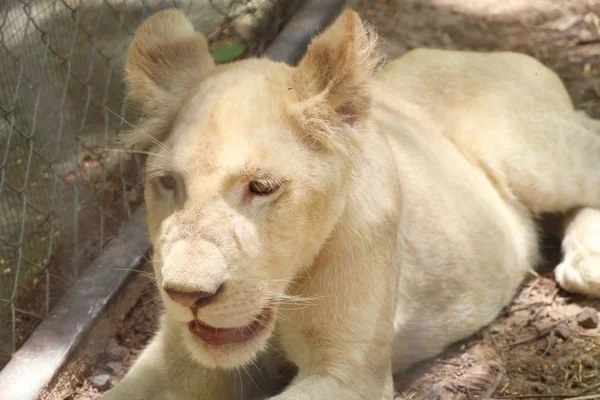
(227, 348)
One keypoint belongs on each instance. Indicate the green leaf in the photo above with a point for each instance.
(228, 52)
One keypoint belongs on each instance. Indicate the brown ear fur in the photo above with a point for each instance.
(332, 79)
(166, 58)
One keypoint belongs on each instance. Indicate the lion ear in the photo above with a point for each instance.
(166, 58)
(337, 68)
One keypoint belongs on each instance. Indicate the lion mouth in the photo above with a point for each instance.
(221, 336)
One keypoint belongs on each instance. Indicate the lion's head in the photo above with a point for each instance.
(248, 168)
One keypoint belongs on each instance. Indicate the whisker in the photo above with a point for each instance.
(152, 138)
(149, 153)
(241, 382)
(250, 376)
(258, 369)
(272, 347)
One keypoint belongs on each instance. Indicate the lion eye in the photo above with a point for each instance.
(261, 189)
(168, 182)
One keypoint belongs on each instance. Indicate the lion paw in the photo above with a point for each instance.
(579, 272)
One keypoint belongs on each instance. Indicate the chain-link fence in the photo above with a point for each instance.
(64, 188)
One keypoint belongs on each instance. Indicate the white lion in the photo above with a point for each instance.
(350, 222)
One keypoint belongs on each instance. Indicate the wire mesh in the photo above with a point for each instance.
(64, 188)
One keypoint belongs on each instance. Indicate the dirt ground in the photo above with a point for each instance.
(563, 34)
(546, 344)
(133, 333)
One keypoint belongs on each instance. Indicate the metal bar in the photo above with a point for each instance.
(308, 21)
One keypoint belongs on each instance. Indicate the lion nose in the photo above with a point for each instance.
(193, 299)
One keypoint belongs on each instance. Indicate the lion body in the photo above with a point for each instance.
(415, 227)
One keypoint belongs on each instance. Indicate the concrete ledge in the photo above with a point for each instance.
(308, 21)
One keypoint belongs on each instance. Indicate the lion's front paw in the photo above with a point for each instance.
(579, 272)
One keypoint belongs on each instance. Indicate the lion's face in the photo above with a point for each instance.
(247, 174)
(237, 205)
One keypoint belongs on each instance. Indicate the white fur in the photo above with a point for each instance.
(404, 219)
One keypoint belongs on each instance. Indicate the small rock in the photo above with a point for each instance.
(589, 362)
(436, 393)
(538, 387)
(100, 382)
(544, 327)
(114, 367)
(588, 318)
(570, 310)
(134, 196)
(562, 331)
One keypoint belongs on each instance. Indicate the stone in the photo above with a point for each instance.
(544, 327)
(100, 382)
(562, 331)
(588, 318)
(134, 196)
(538, 387)
(570, 311)
(589, 362)
(114, 367)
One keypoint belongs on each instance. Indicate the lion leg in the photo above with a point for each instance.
(560, 173)
(164, 372)
(557, 167)
(579, 271)
(328, 387)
